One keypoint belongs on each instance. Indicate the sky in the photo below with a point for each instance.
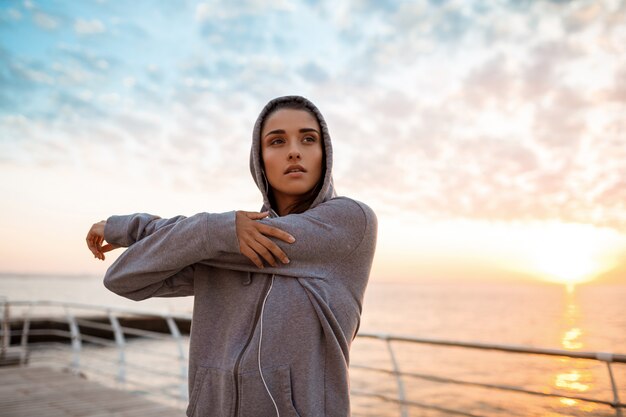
(488, 136)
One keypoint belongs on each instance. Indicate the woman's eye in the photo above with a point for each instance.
(309, 139)
(276, 141)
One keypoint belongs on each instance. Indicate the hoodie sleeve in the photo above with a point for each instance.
(128, 229)
(325, 235)
(161, 256)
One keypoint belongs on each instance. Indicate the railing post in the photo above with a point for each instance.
(607, 358)
(618, 410)
(6, 326)
(25, 332)
(76, 340)
(120, 342)
(404, 412)
(182, 357)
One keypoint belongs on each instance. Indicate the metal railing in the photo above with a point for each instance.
(404, 404)
(80, 329)
(73, 324)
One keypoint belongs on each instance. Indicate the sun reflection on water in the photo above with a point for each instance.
(571, 340)
(572, 381)
(578, 378)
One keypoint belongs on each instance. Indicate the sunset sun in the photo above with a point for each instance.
(568, 254)
(568, 268)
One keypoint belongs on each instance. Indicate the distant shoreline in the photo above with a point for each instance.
(374, 280)
(46, 275)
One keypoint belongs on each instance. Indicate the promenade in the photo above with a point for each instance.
(40, 391)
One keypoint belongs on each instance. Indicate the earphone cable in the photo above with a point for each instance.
(260, 340)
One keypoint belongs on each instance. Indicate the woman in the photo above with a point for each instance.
(278, 294)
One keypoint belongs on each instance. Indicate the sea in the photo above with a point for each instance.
(589, 317)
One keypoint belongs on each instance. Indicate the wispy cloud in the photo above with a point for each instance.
(458, 109)
(89, 27)
(46, 21)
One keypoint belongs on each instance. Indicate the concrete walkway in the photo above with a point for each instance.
(39, 391)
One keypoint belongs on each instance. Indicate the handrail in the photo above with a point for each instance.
(605, 357)
(123, 365)
(97, 307)
(600, 356)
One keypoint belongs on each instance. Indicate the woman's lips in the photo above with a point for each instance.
(295, 174)
(293, 170)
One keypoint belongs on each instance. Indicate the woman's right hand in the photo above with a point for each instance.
(253, 241)
(95, 238)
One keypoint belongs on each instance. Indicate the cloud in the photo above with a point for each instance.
(89, 27)
(72, 105)
(219, 9)
(442, 109)
(46, 21)
(32, 73)
(313, 72)
(547, 62)
(203, 12)
(155, 74)
(513, 134)
(494, 80)
(86, 58)
(10, 15)
(561, 122)
(582, 15)
(243, 33)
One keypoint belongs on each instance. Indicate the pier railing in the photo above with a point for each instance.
(401, 377)
(73, 332)
(69, 334)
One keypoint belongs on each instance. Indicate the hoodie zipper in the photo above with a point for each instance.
(245, 347)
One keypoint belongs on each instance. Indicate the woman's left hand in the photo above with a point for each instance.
(95, 238)
(253, 241)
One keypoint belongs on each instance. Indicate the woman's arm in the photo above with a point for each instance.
(323, 236)
(160, 255)
(127, 229)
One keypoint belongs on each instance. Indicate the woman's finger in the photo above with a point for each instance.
(263, 252)
(95, 238)
(276, 251)
(250, 254)
(108, 247)
(90, 238)
(92, 245)
(256, 216)
(275, 232)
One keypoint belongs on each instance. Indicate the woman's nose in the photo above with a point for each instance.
(294, 154)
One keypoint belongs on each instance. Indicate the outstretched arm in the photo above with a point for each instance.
(323, 235)
(156, 263)
(126, 231)
(123, 231)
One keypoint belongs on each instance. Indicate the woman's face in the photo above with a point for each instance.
(291, 148)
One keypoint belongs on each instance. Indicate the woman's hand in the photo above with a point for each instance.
(95, 237)
(253, 241)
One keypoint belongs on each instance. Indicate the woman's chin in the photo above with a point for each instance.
(295, 190)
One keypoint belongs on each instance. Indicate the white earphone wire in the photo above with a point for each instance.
(260, 340)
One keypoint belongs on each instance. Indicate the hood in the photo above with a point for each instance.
(256, 167)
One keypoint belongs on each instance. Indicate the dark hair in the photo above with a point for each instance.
(303, 203)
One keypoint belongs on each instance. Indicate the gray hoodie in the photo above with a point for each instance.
(262, 340)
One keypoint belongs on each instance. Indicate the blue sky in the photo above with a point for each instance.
(450, 118)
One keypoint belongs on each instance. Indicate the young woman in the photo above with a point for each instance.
(278, 294)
